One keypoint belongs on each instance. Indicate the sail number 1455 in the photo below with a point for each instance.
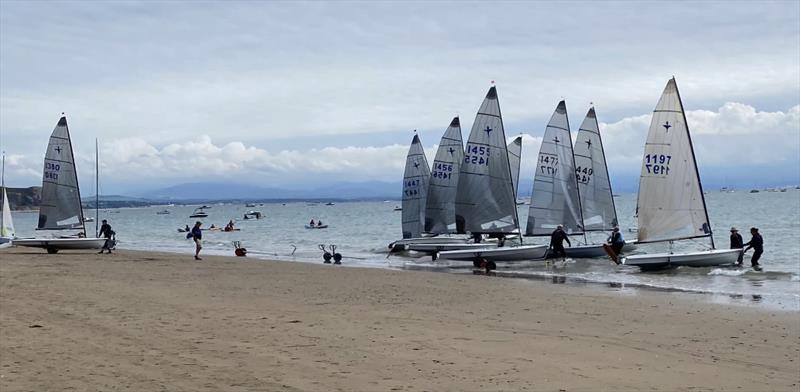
(657, 164)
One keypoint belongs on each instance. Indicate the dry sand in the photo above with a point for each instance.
(154, 321)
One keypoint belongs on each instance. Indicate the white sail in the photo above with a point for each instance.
(670, 205)
(514, 157)
(591, 173)
(415, 189)
(440, 208)
(554, 199)
(485, 200)
(6, 224)
(61, 200)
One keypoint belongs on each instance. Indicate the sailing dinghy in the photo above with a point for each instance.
(486, 198)
(433, 212)
(61, 208)
(6, 224)
(671, 205)
(514, 154)
(594, 187)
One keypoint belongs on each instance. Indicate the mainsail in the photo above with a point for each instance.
(485, 200)
(514, 156)
(61, 200)
(554, 199)
(591, 173)
(6, 224)
(670, 205)
(440, 209)
(415, 189)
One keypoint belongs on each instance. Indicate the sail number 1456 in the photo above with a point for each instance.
(657, 164)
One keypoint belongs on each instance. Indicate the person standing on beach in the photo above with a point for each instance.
(757, 243)
(557, 242)
(737, 243)
(105, 232)
(197, 235)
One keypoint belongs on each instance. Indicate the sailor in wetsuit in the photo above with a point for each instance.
(737, 243)
(757, 243)
(616, 241)
(557, 242)
(107, 233)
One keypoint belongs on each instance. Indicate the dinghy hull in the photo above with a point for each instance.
(708, 258)
(591, 251)
(61, 243)
(511, 253)
(442, 247)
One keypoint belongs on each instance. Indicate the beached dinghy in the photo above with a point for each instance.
(486, 197)
(61, 208)
(671, 205)
(425, 195)
(594, 188)
(514, 154)
(6, 224)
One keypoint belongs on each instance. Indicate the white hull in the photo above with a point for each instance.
(707, 258)
(441, 247)
(507, 253)
(61, 243)
(430, 240)
(593, 250)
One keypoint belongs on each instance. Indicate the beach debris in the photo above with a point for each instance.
(35, 326)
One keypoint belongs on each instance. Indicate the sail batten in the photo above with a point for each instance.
(670, 204)
(61, 201)
(440, 208)
(485, 200)
(415, 189)
(554, 198)
(591, 173)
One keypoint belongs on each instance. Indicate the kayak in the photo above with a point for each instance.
(316, 227)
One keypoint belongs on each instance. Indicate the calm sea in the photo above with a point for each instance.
(362, 231)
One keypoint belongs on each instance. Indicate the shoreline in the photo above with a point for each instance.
(147, 320)
(557, 277)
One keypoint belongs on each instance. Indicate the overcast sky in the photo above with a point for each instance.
(285, 94)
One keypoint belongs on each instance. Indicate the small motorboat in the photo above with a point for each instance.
(329, 204)
(250, 205)
(88, 219)
(252, 215)
(199, 214)
(398, 208)
(164, 212)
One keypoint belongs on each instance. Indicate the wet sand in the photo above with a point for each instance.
(156, 321)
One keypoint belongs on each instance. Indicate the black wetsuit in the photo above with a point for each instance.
(557, 242)
(616, 242)
(737, 243)
(757, 243)
(105, 232)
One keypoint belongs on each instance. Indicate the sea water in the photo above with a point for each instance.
(362, 230)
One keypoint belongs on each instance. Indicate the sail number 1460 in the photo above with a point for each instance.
(657, 164)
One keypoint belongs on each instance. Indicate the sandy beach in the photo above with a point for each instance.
(155, 321)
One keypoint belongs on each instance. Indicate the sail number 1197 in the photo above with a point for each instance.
(657, 164)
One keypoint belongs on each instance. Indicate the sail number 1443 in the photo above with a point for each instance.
(657, 164)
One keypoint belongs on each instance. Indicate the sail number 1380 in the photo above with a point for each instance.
(657, 164)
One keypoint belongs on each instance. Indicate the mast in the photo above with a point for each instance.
(96, 188)
(694, 158)
(3, 185)
(577, 188)
(508, 165)
(605, 164)
(77, 184)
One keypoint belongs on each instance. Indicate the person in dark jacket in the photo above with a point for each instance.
(616, 241)
(757, 243)
(557, 242)
(107, 233)
(737, 243)
(197, 236)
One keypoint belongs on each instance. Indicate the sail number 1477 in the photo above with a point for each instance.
(657, 164)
